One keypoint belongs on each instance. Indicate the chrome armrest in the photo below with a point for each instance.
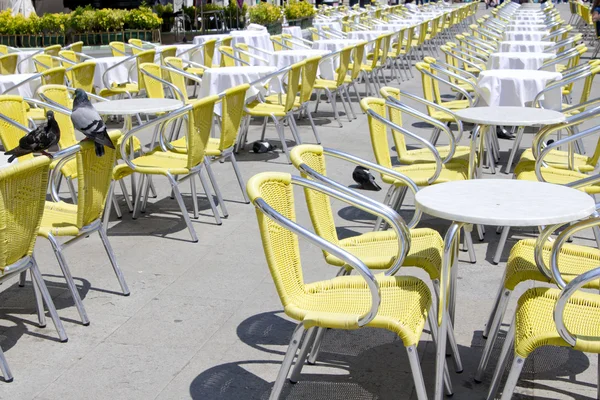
(173, 88)
(225, 54)
(251, 56)
(90, 95)
(469, 98)
(105, 76)
(557, 85)
(187, 75)
(62, 156)
(28, 58)
(347, 258)
(427, 144)
(192, 63)
(31, 78)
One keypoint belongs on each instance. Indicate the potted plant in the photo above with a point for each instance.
(84, 25)
(54, 26)
(299, 13)
(235, 17)
(111, 23)
(166, 14)
(27, 30)
(140, 23)
(268, 15)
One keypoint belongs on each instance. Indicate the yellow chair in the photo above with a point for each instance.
(77, 47)
(4, 49)
(179, 77)
(228, 58)
(82, 76)
(137, 46)
(433, 93)
(208, 52)
(337, 86)
(278, 113)
(22, 195)
(8, 64)
(422, 155)
(15, 108)
(42, 62)
(118, 49)
(128, 88)
(222, 148)
(53, 50)
(400, 304)
(94, 177)
(565, 316)
(170, 164)
(170, 51)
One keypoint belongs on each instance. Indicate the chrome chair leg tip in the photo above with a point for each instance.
(41, 326)
(86, 323)
(129, 293)
(195, 241)
(477, 380)
(66, 339)
(9, 380)
(459, 372)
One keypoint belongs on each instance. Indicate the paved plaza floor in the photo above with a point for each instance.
(204, 320)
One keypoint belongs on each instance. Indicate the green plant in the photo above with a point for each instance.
(161, 10)
(110, 20)
(297, 9)
(142, 19)
(265, 14)
(232, 12)
(54, 23)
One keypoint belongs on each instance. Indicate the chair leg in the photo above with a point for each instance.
(22, 278)
(72, 190)
(194, 197)
(312, 125)
(501, 244)
(39, 303)
(284, 147)
(514, 150)
(113, 261)
(345, 90)
(355, 87)
(39, 280)
(502, 361)
(293, 128)
(415, 367)
(314, 352)
(340, 92)
(470, 248)
(8, 377)
(494, 328)
(126, 195)
(238, 175)
(215, 186)
(184, 211)
(333, 105)
(62, 262)
(138, 195)
(431, 317)
(513, 377)
(307, 344)
(287, 362)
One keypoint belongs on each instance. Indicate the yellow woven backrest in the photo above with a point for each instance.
(587, 84)
(378, 130)
(410, 33)
(226, 61)
(54, 76)
(8, 64)
(309, 76)
(175, 78)
(319, 204)
(154, 88)
(359, 55)
(209, 52)
(376, 52)
(226, 41)
(315, 35)
(166, 52)
(53, 50)
(77, 47)
(22, 198)
(277, 40)
(42, 62)
(345, 57)
(68, 55)
(422, 32)
(199, 126)
(386, 41)
(137, 43)
(428, 84)
(142, 58)
(94, 175)
(231, 115)
(3, 49)
(280, 245)
(16, 109)
(116, 48)
(59, 94)
(293, 85)
(82, 76)
(395, 116)
(241, 56)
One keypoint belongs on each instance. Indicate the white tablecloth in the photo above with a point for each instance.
(529, 18)
(525, 22)
(284, 58)
(216, 80)
(259, 39)
(525, 36)
(26, 90)
(524, 46)
(27, 66)
(119, 74)
(505, 87)
(295, 31)
(528, 28)
(333, 45)
(201, 39)
(517, 60)
(331, 24)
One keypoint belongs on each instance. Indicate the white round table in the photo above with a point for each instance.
(259, 39)
(125, 72)
(500, 202)
(333, 24)
(295, 31)
(27, 66)
(508, 87)
(284, 58)
(525, 35)
(25, 90)
(525, 46)
(516, 60)
(528, 27)
(334, 45)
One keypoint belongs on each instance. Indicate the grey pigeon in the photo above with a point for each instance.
(41, 138)
(86, 120)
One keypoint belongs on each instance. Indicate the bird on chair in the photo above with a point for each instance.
(86, 120)
(38, 140)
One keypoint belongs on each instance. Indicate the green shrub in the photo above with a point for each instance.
(265, 14)
(297, 9)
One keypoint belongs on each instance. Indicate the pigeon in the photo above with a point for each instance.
(86, 120)
(363, 177)
(38, 140)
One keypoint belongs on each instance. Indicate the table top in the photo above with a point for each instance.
(509, 116)
(532, 42)
(522, 54)
(137, 106)
(521, 74)
(504, 202)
